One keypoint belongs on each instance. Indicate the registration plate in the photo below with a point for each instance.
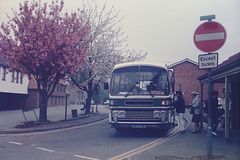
(139, 126)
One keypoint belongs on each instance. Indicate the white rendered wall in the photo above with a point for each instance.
(11, 86)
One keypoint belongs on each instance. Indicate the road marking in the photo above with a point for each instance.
(44, 149)
(150, 145)
(147, 146)
(17, 143)
(84, 157)
(57, 130)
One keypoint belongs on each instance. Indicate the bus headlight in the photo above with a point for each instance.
(115, 113)
(114, 116)
(121, 114)
(115, 119)
(156, 114)
(118, 114)
(164, 115)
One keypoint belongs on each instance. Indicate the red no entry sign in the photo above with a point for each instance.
(209, 36)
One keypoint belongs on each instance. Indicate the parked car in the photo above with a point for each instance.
(106, 102)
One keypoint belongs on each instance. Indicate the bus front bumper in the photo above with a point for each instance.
(158, 125)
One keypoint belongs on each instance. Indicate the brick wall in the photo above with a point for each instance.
(58, 98)
(186, 75)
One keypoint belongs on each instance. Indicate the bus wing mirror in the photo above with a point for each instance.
(172, 81)
(171, 78)
(106, 86)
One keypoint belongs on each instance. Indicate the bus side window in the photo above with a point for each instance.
(106, 85)
(161, 85)
(171, 79)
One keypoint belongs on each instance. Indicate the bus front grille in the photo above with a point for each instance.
(139, 114)
(139, 103)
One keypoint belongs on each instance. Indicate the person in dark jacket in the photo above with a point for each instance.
(180, 110)
(214, 111)
(215, 116)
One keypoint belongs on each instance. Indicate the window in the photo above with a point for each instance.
(13, 76)
(17, 77)
(144, 80)
(55, 100)
(4, 74)
(21, 78)
(51, 100)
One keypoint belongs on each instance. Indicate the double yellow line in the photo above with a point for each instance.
(147, 146)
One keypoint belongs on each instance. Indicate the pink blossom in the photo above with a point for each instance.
(57, 45)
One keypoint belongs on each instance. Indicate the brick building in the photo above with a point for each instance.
(186, 74)
(76, 96)
(17, 91)
(186, 79)
(58, 97)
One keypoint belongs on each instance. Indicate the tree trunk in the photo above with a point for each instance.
(88, 105)
(89, 97)
(43, 106)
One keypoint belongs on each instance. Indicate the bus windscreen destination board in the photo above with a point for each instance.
(206, 61)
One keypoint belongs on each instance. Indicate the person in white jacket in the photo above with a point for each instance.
(197, 115)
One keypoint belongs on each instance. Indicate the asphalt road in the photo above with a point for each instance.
(97, 141)
(93, 142)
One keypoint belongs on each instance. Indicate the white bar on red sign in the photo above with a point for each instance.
(209, 36)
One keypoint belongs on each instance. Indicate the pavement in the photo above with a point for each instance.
(185, 146)
(16, 122)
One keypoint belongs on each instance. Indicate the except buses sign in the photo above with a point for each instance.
(210, 36)
(206, 61)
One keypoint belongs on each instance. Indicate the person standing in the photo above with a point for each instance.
(197, 114)
(214, 115)
(180, 110)
(223, 103)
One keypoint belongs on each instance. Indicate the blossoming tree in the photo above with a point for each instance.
(46, 44)
(107, 48)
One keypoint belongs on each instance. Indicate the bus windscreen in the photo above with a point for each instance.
(139, 80)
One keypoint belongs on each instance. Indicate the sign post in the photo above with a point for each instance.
(209, 37)
(209, 126)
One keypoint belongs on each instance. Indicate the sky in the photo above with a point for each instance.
(165, 28)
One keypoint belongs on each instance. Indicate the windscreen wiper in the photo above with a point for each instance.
(150, 93)
(130, 90)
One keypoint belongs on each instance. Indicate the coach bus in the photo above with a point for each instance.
(141, 96)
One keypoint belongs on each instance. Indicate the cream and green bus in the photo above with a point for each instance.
(141, 96)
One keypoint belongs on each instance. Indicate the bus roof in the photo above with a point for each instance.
(129, 64)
